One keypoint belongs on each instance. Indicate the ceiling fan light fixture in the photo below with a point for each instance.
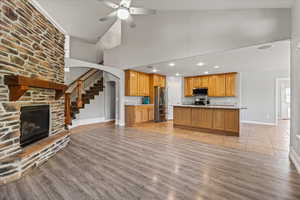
(123, 13)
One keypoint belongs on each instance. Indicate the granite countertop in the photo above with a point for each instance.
(212, 106)
(139, 105)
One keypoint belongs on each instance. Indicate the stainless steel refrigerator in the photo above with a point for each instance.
(160, 104)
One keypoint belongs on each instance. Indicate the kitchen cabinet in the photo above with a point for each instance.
(232, 119)
(219, 85)
(196, 82)
(230, 85)
(204, 81)
(219, 119)
(202, 118)
(137, 83)
(135, 114)
(143, 84)
(182, 116)
(131, 83)
(188, 87)
(212, 86)
(159, 80)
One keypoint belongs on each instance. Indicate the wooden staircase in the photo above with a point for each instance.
(81, 92)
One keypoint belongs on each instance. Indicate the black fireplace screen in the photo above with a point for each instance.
(34, 124)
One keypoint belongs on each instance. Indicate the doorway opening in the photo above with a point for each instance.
(283, 99)
(111, 100)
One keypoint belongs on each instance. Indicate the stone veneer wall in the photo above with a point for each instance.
(29, 46)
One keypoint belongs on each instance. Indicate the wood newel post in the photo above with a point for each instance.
(68, 117)
(79, 93)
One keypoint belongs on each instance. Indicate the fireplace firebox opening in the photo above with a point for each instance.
(35, 122)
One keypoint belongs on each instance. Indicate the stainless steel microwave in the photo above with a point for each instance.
(200, 91)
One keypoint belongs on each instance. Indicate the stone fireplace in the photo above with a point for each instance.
(32, 127)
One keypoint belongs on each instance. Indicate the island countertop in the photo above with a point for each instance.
(231, 107)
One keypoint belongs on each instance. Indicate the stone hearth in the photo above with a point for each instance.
(29, 46)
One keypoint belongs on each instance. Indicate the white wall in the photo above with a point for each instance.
(258, 90)
(86, 51)
(177, 34)
(295, 86)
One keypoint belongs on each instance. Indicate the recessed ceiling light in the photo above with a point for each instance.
(216, 67)
(67, 69)
(154, 70)
(177, 74)
(172, 64)
(200, 64)
(206, 72)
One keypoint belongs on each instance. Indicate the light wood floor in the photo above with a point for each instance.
(269, 140)
(110, 163)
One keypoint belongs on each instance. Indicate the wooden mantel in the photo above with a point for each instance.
(18, 85)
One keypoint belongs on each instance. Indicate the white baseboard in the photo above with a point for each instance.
(256, 122)
(294, 157)
(80, 122)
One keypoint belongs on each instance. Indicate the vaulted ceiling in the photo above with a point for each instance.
(80, 18)
(181, 28)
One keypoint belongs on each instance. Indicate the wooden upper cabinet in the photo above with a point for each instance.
(143, 84)
(230, 85)
(188, 87)
(204, 81)
(136, 83)
(220, 86)
(212, 86)
(163, 81)
(159, 80)
(131, 83)
(196, 82)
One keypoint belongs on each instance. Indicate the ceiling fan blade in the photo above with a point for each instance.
(126, 3)
(109, 16)
(142, 11)
(109, 4)
(130, 21)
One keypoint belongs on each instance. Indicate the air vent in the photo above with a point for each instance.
(265, 47)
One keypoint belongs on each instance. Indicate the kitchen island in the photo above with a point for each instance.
(212, 119)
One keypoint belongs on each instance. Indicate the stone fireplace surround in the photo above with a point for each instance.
(29, 46)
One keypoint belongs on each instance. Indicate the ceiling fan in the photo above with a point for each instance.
(124, 11)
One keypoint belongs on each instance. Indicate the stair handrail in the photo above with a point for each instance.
(77, 85)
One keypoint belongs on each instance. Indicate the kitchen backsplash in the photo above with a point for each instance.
(133, 100)
(215, 101)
